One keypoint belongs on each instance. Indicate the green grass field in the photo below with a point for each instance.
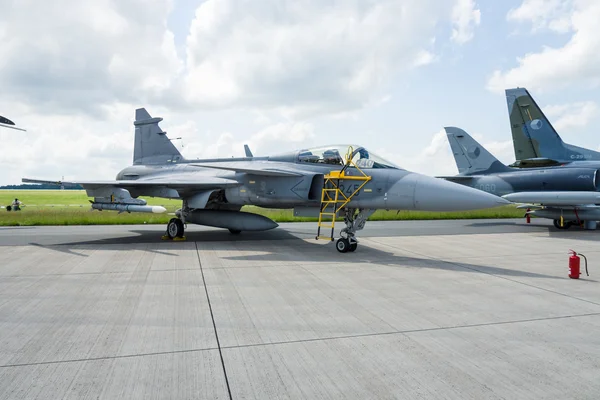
(72, 207)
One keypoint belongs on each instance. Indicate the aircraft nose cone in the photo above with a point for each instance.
(433, 194)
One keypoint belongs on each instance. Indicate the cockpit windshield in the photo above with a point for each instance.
(336, 155)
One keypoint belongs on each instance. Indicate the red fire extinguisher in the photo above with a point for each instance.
(574, 265)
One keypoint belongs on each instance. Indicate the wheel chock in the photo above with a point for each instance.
(165, 237)
(179, 239)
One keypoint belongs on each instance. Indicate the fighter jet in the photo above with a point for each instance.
(535, 141)
(566, 193)
(330, 181)
(7, 123)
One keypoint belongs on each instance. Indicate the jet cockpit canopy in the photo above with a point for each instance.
(336, 155)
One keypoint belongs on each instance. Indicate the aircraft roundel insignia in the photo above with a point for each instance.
(474, 152)
(536, 124)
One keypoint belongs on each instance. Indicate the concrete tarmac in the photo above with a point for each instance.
(423, 309)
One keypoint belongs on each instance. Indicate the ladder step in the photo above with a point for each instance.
(325, 238)
(333, 199)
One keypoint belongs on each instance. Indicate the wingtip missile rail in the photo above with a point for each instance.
(129, 208)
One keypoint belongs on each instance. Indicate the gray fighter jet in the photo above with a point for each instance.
(324, 182)
(566, 193)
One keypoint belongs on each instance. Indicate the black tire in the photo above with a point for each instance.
(235, 231)
(566, 224)
(353, 247)
(342, 245)
(175, 228)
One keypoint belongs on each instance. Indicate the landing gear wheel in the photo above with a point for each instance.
(566, 224)
(175, 228)
(342, 245)
(235, 231)
(353, 247)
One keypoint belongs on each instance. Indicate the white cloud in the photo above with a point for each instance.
(308, 56)
(503, 151)
(302, 59)
(272, 139)
(65, 56)
(73, 72)
(77, 147)
(424, 57)
(465, 17)
(436, 159)
(439, 141)
(543, 14)
(575, 63)
(569, 116)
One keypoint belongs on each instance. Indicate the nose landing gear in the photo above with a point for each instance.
(354, 222)
(344, 245)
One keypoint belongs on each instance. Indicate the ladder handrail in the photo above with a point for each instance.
(333, 178)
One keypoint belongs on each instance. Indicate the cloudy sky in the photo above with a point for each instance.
(284, 74)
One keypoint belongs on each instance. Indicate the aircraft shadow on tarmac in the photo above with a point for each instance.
(223, 240)
(144, 236)
(63, 248)
(364, 254)
(60, 249)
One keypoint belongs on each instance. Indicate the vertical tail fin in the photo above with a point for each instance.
(152, 146)
(533, 134)
(471, 157)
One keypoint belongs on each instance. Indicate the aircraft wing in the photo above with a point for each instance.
(457, 178)
(555, 198)
(59, 183)
(206, 183)
(7, 123)
(12, 127)
(254, 168)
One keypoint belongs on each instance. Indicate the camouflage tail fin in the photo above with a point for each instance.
(152, 146)
(471, 158)
(533, 135)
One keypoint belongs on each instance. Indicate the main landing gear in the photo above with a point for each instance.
(565, 225)
(176, 226)
(175, 230)
(587, 225)
(354, 222)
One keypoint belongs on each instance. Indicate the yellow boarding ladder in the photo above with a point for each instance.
(333, 199)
